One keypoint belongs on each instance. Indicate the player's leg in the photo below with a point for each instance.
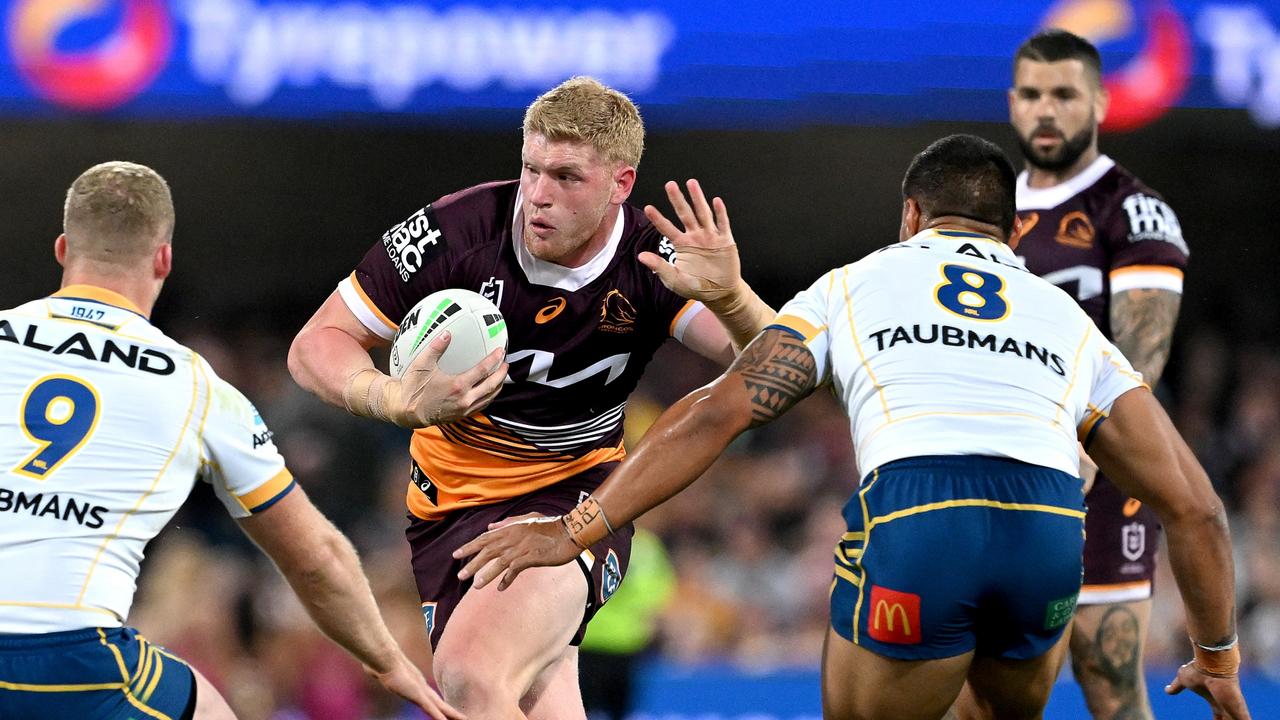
(556, 693)
(498, 643)
(858, 684)
(1111, 622)
(1011, 689)
(1106, 657)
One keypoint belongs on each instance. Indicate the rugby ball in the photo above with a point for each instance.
(475, 323)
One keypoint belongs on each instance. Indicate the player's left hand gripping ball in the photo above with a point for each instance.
(509, 549)
(706, 266)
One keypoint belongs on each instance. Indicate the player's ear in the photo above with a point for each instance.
(60, 249)
(1101, 101)
(162, 261)
(910, 219)
(624, 179)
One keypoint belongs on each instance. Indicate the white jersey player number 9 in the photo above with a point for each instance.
(58, 413)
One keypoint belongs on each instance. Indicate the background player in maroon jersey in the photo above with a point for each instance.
(1095, 230)
(590, 288)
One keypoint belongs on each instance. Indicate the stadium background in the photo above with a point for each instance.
(294, 133)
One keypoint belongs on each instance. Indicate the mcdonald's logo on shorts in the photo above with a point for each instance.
(895, 616)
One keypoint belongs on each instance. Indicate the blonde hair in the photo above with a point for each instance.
(585, 110)
(117, 212)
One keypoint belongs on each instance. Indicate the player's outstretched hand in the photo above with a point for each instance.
(426, 395)
(511, 548)
(706, 259)
(404, 679)
(1222, 693)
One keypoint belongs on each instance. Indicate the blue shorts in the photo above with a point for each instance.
(948, 554)
(92, 674)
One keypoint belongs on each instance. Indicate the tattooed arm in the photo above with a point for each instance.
(1142, 328)
(771, 375)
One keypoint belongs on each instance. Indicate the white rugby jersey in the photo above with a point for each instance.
(945, 345)
(106, 425)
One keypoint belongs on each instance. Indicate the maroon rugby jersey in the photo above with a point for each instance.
(576, 344)
(1099, 233)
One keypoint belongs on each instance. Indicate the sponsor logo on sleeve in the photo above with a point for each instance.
(262, 439)
(667, 250)
(895, 617)
(414, 243)
(1152, 219)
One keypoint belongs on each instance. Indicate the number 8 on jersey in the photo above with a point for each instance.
(972, 294)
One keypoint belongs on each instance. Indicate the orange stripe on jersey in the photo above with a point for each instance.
(1115, 586)
(467, 476)
(102, 295)
(1167, 269)
(266, 492)
(804, 327)
(671, 329)
(369, 303)
(1091, 421)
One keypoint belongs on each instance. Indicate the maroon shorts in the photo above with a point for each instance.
(433, 543)
(1121, 535)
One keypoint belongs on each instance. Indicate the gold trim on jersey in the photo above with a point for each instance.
(806, 329)
(364, 296)
(1075, 372)
(1095, 416)
(853, 333)
(1132, 375)
(100, 294)
(467, 475)
(866, 542)
(266, 492)
(115, 533)
(124, 686)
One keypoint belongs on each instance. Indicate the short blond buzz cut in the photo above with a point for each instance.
(117, 212)
(583, 109)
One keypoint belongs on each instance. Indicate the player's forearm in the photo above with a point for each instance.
(323, 361)
(336, 594)
(1142, 323)
(743, 314)
(1200, 555)
(677, 450)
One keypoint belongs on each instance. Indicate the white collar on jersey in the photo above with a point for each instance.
(1030, 198)
(542, 272)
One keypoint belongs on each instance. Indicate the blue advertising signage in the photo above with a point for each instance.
(709, 63)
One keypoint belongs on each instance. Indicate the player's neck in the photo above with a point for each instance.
(142, 292)
(599, 239)
(1041, 178)
(963, 224)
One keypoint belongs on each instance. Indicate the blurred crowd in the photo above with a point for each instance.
(751, 542)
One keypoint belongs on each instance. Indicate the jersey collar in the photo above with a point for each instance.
(541, 272)
(100, 295)
(954, 239)
(1030, 198)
